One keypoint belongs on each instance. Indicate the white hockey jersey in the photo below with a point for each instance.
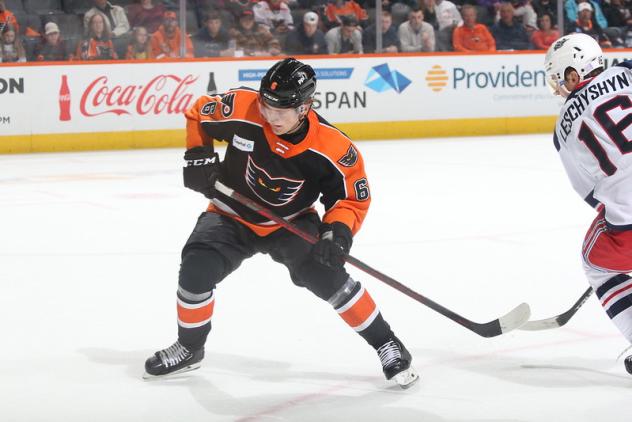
(593, 135)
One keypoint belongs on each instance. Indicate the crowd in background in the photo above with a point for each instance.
(57, 30)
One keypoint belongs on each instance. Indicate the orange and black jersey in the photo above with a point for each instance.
(283, 176)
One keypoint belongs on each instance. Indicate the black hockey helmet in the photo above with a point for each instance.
(288, 84)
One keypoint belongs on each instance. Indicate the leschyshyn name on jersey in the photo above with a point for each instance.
(614, 80)
(593, 136)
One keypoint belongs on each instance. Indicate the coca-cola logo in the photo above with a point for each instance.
(164, 94)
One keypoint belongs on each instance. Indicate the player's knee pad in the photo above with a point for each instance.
(321, 280)
(201, 269)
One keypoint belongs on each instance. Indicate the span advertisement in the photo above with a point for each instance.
(101, 105)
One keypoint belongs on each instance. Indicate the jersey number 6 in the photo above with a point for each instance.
(361, 189)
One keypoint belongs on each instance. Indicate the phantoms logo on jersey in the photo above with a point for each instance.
(350, 157)
(276, 191)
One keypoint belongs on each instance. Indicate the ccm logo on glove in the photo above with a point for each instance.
(202, 169)
(201, 161)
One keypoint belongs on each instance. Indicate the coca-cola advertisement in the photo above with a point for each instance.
(87, 105)
(64, 99)
(158, 95)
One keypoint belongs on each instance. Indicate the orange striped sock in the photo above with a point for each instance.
(360, 311)
(193, 315)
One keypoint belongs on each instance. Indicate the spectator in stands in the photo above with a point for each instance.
(274, 15)
(488, 9)
(252, 39)
(338, 8)
(399, 9)
(509, 34)
(447, 14)
(619, 16)
(430, 15)
(346, 38)
(306, 38)
(444, 16)
(587, 25)
(545, 35)
(228, 10)
(525, 13)
(212, 40)
(472, 36)
(97, 44)
(7, 18)
(274, 48)
(236, 7)
(52, 47)
(548, 7)
(115, 18)
(627, 37)
(166, 41)
(390, 40)
(146, 14)
(571, 7)
(415, 34)
(12, 50)
(319, 7)
(139, 47)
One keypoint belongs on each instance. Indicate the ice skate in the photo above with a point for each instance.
(175, 359)
(396, 363)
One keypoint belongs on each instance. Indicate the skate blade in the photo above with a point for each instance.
(407, 378)
(189, 368)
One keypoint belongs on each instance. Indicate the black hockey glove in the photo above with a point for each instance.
(202, 169)
(334, 244)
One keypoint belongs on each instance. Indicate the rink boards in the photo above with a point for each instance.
(119, 105)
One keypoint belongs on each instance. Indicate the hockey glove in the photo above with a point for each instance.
(333, 245)
(202, 169)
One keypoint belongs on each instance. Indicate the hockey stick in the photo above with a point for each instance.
(559, 320)
(512, 320)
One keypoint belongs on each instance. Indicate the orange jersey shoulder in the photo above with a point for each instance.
(338, 149)
(236, 104)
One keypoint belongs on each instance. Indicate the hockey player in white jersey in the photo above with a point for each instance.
(593, 136)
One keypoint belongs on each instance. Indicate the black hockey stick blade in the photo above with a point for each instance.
(559, 320)
(512, 320)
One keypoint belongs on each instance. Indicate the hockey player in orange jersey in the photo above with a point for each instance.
(285, 156)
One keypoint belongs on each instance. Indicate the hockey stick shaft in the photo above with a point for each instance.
(493, 328)
(558, 320)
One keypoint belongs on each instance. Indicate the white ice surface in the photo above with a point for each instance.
(89, 257)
